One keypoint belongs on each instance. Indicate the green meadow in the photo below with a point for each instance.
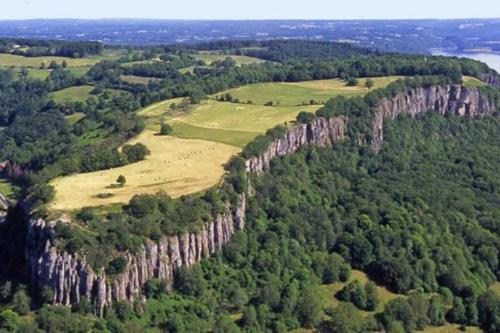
(297, 93)
(11, 60)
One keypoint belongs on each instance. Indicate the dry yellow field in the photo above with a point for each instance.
(175, 166)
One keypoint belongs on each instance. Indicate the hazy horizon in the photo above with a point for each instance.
(221, 10)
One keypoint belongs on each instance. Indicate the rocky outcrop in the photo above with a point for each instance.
(4, 206)
(491, 79)
(72, 278)
(320, 132)
(4, 202)
(457, 100)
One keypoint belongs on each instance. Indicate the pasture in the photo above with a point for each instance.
(72, 94)
(78, 94)
(297, 93)
(11, 60)
(240, 117)
(176, 166)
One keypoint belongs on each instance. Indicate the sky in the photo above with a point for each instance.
(249, 9)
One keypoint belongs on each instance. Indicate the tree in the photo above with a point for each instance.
(399, 310)
(190, 281)
(309, 307)
(64, 64)
(117, 265)
(165, 129)
(345, 318)
(53, 64)
(354, 293)
(305, 117)
(121, 180)
(489, 312)
(135, 153)
(21, 302)
(457, 312)
(436, 312)
(9, 321)
(352, 82)
(369, 83)
(372, 299)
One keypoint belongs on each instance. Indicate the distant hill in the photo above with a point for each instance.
(415, 36)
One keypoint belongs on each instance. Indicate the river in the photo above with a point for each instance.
(492, 59)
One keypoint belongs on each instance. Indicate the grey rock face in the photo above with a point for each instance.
(492, 80)
(457, 100)
(4, 206)
(4, 203)
(320, 132)
(72, 278)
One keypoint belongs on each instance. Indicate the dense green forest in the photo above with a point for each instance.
(420, 217)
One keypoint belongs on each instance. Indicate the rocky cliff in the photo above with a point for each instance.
(4, 206)
(72, 278)
(492, 80)
(457, 100)
(320, 132)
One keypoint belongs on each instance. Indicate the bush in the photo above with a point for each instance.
(305, 117)
(352, 82)
(165, 129)
(117, 266)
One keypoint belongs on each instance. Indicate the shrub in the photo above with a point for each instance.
(117, 266)
(165, 129)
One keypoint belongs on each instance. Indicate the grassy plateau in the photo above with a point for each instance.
(204, 137)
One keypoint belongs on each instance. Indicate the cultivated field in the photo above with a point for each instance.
(204, 137)
(176, 166)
